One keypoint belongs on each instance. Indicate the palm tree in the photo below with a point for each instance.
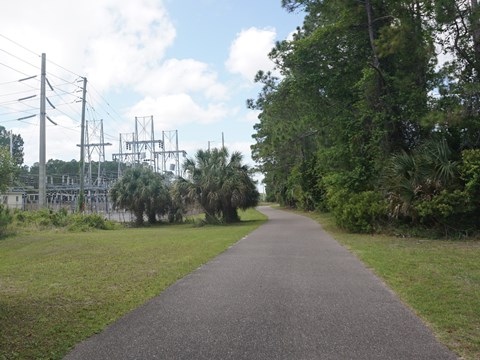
(219, 183)
(143, 192)
(420, 175)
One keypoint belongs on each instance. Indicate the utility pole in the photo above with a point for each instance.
(11, 143)
(42, 185)
(223, 141)
(10, 133)
(81, 196)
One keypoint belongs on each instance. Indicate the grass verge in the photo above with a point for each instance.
(58, 288)
(438, 279)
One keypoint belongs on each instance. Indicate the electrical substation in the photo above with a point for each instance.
(138, 148)
(85, 186)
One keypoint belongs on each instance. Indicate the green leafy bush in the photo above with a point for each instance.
(361, 213)
(46, 218)
(449, 212)
(42, 218)
(81, 222)
(5, 219)
(470, 173)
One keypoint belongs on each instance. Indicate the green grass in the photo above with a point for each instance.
(58, 288)
(438, 279)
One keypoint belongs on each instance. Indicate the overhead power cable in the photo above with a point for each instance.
(16, 43)
(20, 59)
(16, 70)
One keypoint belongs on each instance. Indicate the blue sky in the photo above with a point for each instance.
(189, 63)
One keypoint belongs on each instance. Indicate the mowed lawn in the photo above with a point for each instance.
(438, 279)
(58, 288)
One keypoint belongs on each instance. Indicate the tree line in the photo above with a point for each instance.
(375, 114)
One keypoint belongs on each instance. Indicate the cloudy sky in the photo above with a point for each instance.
(189, 63)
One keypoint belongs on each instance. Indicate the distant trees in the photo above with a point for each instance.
(364, 110)
(17, 145)
(9, 163)
(58, 171)
(7, 169)
(220, 183)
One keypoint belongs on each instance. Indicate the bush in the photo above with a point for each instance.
(470, 173)
(361, 213)
(5, 219)
(81, 222)
(451, 212)
(61, 219)
(42, 218)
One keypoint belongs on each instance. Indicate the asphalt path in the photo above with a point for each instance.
(287, 291)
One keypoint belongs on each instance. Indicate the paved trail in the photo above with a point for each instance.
(287, 291)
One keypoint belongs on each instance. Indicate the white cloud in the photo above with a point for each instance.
(178, 76)
(118, 45)
(252, 116)
(113, 42)
(243, 147)
(249, 52)
(61, 140)
(171, 111)
(291, 35)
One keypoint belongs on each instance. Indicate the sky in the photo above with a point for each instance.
(188, 63)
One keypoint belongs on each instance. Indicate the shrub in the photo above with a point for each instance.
(5, 219)
(449, 211)
(470, 173)
(82, 222)
(61, 219)
(361, 213)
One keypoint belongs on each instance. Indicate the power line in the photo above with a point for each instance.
(15, 93)
(18, 58)
(63, 68)
(106, 102)
(67, 115)
(11, 68)
(9, 82)
(23, 47)
(36, 66)
(14, 111)
(69, 128)
(61, 92)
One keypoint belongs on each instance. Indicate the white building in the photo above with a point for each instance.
(12, 200)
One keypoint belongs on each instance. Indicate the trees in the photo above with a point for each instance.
(7, 169)
(143, 192)
(363, 106)
(219, 183)
(17, 143)
(9, 164)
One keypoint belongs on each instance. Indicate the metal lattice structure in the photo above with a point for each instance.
(125, 156)
(95, 144)
(141, 147)
(170, 154)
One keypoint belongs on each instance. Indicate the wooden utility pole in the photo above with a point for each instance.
(42, 175)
